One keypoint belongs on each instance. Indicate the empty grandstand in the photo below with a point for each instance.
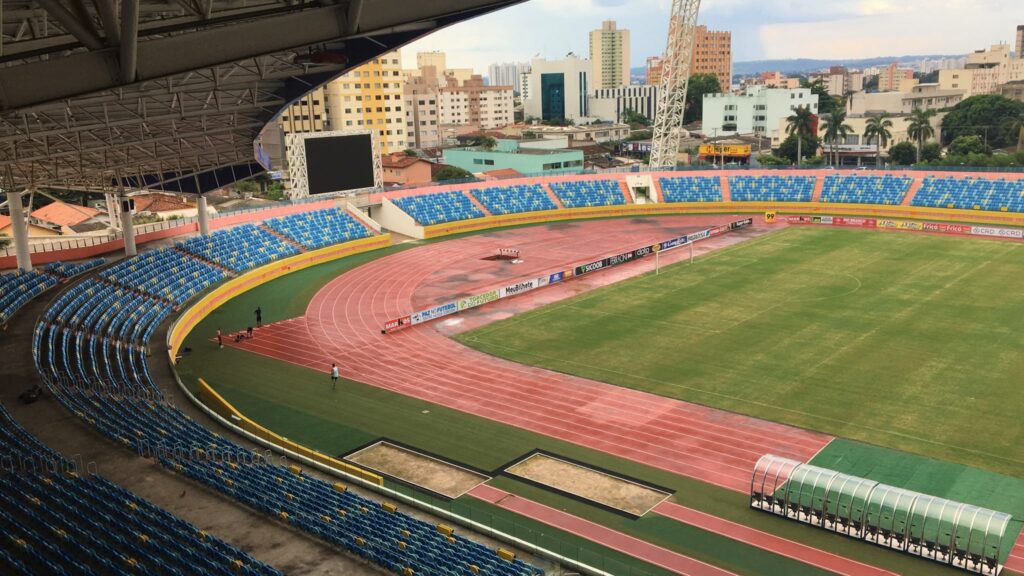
(887, 190)
(996, 195)
(514, 199)
(240, 248)
(429, 209)
(692, 189)
(164, 273)
(771, 188)
(319, 228)
(583, 193)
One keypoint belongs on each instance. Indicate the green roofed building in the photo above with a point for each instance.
(541, 156)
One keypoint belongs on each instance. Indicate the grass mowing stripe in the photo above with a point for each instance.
(855, 333)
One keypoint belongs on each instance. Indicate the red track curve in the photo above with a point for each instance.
(343, 321)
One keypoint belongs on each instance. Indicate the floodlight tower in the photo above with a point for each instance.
(675, 75)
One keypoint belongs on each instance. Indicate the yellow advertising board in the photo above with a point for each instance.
(725, 149)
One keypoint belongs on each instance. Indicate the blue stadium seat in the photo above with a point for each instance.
(514, 199)
(887, 190)
(439, 208)
(585, 193)
(691, 189)
(319, 228)
(971, 194)
(771, 188)
(240, 248)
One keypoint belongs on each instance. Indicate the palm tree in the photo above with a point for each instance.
(834, 128)
(801, 123)
(877, 127)
(1016, 124)
(920, 128)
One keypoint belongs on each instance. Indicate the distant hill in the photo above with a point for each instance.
(805, 65)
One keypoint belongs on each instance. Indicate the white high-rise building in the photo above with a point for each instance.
(507, 74)
(556, 89)
(758, 110)
(609, 55)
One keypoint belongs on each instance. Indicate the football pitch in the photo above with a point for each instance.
(906, 341)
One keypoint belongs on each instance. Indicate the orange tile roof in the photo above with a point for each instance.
(159, 203)
(64, 214)
(5, 221)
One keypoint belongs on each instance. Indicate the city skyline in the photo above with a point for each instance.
(825, 30)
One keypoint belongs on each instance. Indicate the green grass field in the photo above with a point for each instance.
(906, 341)
(295, 402)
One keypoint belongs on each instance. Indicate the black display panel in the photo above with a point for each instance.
(339, 163)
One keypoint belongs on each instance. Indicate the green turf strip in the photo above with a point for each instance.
(901, 340)
(298, 403)
(942, 479)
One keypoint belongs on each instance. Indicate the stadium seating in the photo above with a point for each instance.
(90, 348)
(971, 194)
(58, 521)
(17, 288)
(240, 248)
(429, 209)
(164, 273)
(887, 190)
(514, 199)
(692, 189)
(319, 228)
(771, 188)
(68, 270)
(588, 193)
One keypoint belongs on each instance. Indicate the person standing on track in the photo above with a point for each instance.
(334, 376)
(220, 338)
(259, 317)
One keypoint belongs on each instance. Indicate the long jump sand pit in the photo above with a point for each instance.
(409, 466)
(588, 484)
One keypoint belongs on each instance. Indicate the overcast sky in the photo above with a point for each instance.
(761, 29)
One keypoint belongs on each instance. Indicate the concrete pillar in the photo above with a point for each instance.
(20, 229)
(112, 212)
(204, 217)
(127, 229)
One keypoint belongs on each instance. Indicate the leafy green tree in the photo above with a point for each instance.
(931, 152)
(4, 241)
(877, 129)
(903, 154)
(929, 78)
(698, 86)
(451, 173)
(835, 129)
(801, 123)
(635, 118)
(827, 103)
(1015, 125)
(486, 142)
(770, 160)
(791, 147)
(815, 161)
(984, 116)
(920, 128)
(966, 145)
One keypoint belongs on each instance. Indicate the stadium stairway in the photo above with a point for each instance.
(915, 185)
(554, 197)
(726, 192)
(477, 203)
(283, 238)
(819, 186)
(625, 192)
(227, 271)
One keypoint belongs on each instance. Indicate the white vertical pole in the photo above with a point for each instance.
(204, 218)
(127, 228)
(20, 229)
(691, 252)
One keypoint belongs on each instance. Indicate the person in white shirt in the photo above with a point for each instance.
(334, 376)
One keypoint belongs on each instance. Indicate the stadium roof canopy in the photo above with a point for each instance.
(173, 93)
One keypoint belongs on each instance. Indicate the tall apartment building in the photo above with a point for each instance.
(437, 103)
(712, 54)
(371, 97)
(508, 74)
(437, 59)
(655, 64)
(758, 110)
(556, 89)
(609, 55)
(984, 72)
(1020, 42)
(892, 78)
(308, 114)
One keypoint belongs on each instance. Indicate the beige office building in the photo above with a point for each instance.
(609, 53)
(984, 72)
(371, 97)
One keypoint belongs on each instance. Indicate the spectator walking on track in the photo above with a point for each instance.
(259, 317)
(334, 376)
(220, 338)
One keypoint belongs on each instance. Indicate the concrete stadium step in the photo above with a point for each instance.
(477, 203)
(283, 238)
(726, 191)
(551, 194)
(819, 185)
(625, 191)
(915, 185)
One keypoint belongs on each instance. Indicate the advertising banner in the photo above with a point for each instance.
(947, 228)
(997, 232)
(397, 323)
(434, 313)
(479, 299)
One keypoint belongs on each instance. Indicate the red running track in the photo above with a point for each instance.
(607, 537)
(343, 322)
